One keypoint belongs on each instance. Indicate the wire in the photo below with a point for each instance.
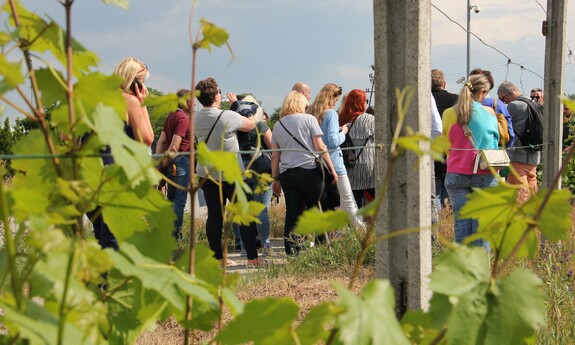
(509, 61)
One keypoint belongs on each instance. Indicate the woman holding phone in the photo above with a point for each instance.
(134, 73)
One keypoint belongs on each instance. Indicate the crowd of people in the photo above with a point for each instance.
(307, 163)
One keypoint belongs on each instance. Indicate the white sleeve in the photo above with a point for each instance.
(436, 125)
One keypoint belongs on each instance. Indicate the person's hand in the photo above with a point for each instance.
(334, 174)
(141, 94)
(345, 128)
(277, 188)
(231, 97)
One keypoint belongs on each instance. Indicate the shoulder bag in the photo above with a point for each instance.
(487, 158)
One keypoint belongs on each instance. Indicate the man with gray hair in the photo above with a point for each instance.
(523, 159)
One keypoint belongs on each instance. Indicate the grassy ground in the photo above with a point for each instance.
(309, 279)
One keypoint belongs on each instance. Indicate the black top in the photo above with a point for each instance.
(443, 99)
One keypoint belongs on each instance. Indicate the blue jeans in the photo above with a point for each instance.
(458, 187)
(263, 228)
(178, 196)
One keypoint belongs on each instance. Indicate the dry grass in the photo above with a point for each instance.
(307, 292)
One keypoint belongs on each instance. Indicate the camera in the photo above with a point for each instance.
(476, 8)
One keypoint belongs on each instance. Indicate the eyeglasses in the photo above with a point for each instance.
(535, 98)
(143, 69)
(220, 91)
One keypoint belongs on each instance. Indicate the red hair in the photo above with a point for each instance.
(353, 106)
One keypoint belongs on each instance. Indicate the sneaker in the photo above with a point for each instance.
(266, 250)
(258, 262)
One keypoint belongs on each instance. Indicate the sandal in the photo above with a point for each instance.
(228, 262)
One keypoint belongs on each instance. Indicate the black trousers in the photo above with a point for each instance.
(215, 221)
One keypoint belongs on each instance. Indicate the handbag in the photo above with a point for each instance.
(320, 164)
(502, 126)
(262, 164)
(487, 158)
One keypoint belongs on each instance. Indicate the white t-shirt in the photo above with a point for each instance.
(304, 127)
(223, 137)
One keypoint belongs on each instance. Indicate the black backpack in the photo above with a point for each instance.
(533, 133)
(349, 154)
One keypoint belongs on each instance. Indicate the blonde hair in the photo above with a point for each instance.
(323, 101)
(129, 69)
(259, 115)
(294, 103)
(475, 84)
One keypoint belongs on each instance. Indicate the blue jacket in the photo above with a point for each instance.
(502, 109)
(332, 138)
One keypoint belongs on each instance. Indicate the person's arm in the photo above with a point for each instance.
(320, 147)
(333, 137)
(276, 186)
(174, 147)
(161, 145)
(248, 124)
(138, 118)
(268, 138)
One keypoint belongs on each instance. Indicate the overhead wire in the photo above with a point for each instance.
(509, 60)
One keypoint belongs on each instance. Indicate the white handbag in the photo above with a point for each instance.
(494, 158)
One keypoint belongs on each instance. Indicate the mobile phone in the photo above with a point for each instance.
(133, 86)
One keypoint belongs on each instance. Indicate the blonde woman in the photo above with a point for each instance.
(137, 126)
(334, 136)
(461, 176)
(294, 169)
(134, 73)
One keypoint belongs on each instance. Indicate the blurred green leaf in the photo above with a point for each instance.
(265, 321)
(459, 270)
(245, 213)
(120, 3)
(361, 322)
(226, 162)
(162, 105)
(555, 222)
(313, 221)
(315, 326)
(212, 35)
(11, 73)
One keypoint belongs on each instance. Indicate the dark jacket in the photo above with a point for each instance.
(443, 99)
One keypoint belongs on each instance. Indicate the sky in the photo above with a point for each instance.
(276, 43)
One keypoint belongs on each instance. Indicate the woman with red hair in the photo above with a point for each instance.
(362, 133)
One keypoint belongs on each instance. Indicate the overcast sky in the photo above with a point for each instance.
(279, 42)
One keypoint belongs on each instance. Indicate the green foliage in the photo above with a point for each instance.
(52, 259)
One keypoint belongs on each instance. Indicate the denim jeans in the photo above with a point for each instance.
(263, 228)
(178, 196)
(302, 189)
(458, 187)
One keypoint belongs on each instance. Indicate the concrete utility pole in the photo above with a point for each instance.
(402, 58)
(554, 30)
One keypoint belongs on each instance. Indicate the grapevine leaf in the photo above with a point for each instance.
(459, 270)
(162, 105)
(207, 269)
(361, 321)
(38, 326)
(53, 93)
(171, 283)
(130, 211)
(120, 3)
(569, 103)
(440, 309)
(556, 221)
(330, 220)
(212, 35)
(421, 145)
(273, 317)
(417, 325)
(233, 303)
(509, 238)
(226, 162)
(516, 309)
(245, 213)
(313, 327)
(5, 38)
(39, 173)
(11, 73)
(154, 243)
(129, 154)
